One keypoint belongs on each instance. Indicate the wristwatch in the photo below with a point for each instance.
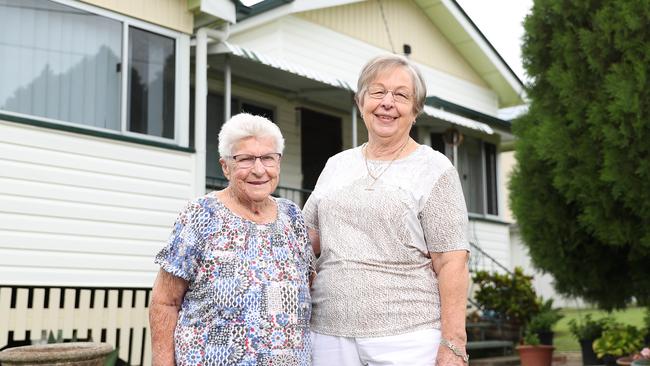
(455, 350)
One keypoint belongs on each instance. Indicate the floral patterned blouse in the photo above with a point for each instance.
(248, 299)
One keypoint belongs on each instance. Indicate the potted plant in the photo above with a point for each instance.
(532, 353)
(586, 331)
(642, 358)
(507, 299)
(617, 340)
(542, 323)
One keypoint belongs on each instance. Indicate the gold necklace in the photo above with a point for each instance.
(365, 158)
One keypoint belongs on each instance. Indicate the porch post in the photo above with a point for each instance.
(200, 107)
(227, 89)
(200, 100)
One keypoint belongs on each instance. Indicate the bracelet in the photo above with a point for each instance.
(455, 350)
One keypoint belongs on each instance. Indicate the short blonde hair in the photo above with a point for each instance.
(383, 63)
(245, 125)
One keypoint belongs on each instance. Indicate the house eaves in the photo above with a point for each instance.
(466, 37)
(450, 19)
(269, 10)
(465, 112)
(212, 11)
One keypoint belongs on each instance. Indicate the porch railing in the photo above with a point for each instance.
(118, 316)
(481, 260)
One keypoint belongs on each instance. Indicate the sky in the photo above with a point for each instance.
(500, 21)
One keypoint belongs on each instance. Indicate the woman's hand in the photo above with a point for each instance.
(446, 357)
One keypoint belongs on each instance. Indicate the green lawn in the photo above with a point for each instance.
(564, 340)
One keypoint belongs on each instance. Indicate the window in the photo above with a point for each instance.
(151, 83)
(477, 168)
(470, 169)
(491, 178)
(64, 63)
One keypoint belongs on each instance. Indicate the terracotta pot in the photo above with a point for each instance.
(624, 361)
(59, 354)
(541, 355)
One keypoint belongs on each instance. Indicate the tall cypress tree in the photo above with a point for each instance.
(581, 190)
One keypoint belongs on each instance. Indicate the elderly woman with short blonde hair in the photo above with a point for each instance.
(233, 287)
(389, 220)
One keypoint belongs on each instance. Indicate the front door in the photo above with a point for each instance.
(321, 137)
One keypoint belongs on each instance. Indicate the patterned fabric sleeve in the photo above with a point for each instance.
(300, 230)
(185, 244)
(444, 217)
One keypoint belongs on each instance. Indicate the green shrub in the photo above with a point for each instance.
(531, 338)
(588, 328)
(546, 318)
(618, 340)
(510, 296)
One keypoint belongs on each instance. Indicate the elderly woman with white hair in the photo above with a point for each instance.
(233, 288)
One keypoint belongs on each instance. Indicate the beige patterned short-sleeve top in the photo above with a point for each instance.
(374, 272)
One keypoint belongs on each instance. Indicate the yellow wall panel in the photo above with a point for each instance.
(402, 22)
(172, 14)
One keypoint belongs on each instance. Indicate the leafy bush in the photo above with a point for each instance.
(546, 318)
(510, 296)
(531, 338)
(618, 340)
(588, 328)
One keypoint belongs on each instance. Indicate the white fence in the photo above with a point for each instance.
(116, 316)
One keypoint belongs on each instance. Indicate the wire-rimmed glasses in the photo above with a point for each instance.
(246, 161)
(400, 95)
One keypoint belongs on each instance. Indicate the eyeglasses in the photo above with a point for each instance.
(246, 161)
(399, 95)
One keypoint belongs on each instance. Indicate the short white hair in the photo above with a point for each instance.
(245, 125)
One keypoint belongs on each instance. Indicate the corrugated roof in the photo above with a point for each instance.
(457, 120)
(300, 70)
(283, 65)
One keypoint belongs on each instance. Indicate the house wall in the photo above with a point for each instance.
(80, 210)
(172, 14)
(507, 163)
(406, 23)
(492, 236)
(327, 52)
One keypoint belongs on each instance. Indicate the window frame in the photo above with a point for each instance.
(181, 99)
(449, 152)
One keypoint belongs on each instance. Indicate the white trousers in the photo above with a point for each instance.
(417, 348)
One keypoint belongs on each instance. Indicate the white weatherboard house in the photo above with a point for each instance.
(109, 112)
